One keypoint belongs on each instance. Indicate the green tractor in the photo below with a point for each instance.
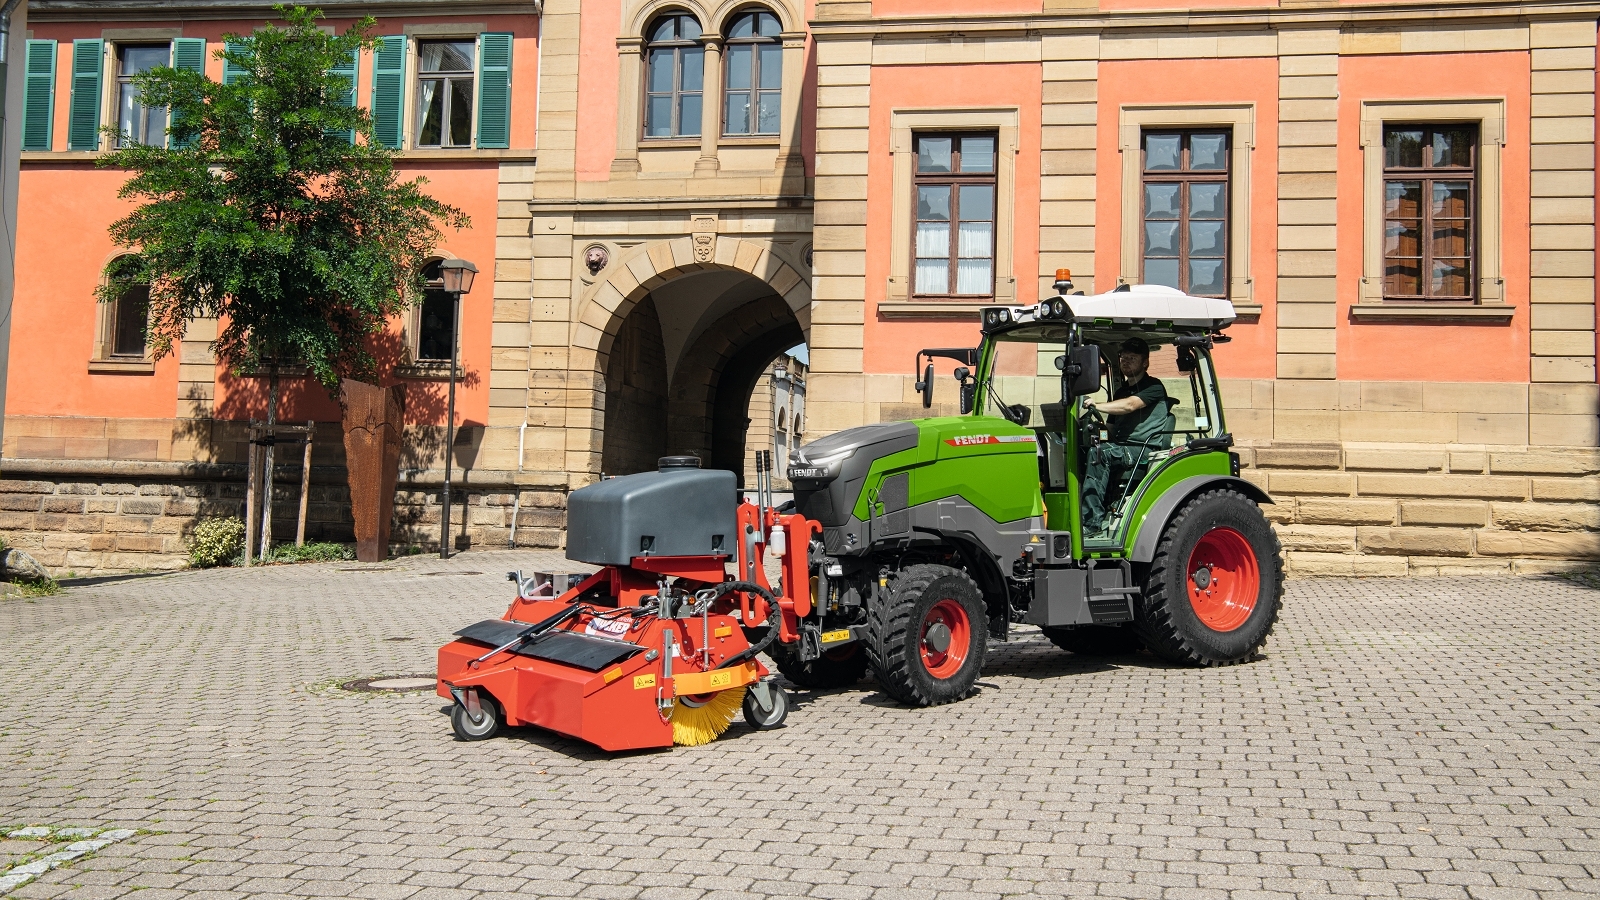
(1088, 488)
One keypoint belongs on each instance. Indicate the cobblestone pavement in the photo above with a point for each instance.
(1411, 738)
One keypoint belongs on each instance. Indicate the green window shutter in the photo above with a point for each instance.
(231, 72)
(188, 54)
(39, 96)
(83, 115)
(349, 70)
(388, 90)
(494, 90)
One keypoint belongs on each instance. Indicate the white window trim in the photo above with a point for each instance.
(1489, 114)
(903, 125)
(1132, 122)
(415, 35)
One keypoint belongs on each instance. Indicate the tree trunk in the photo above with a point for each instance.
(266, 500)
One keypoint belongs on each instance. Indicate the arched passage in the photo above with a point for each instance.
(678, 346)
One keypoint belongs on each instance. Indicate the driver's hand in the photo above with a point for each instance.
(1088, 402)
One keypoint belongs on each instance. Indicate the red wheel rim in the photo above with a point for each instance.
(945, 624)
(1224, 579)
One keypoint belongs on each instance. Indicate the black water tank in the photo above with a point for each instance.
(681, 510)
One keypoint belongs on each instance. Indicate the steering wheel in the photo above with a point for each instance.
(1090, 424)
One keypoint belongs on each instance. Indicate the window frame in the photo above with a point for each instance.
(754, 91)
(676, 45)
(1489, 115)
(955, 179)
(118, 80)
(1184, 176)
(1425, 175)
(418, 76)
(105, 360)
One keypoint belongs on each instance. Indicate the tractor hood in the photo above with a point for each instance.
(827, 473)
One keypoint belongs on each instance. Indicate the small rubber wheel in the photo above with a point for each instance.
(929, 636)
(833, 669)
(1215, 586)
(1095, 640)
(486, 727)
(762, 719)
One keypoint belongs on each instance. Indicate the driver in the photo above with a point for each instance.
(1140, 397)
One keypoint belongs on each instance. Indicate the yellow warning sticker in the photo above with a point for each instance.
(721, 679)
(724, 631)
(640, 682)
(613, 675)
(842, 634)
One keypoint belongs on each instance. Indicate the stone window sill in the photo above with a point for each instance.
(1247, 310)
(1430, 312)
(426, 371)
(932, 309)
(121, 367)
(683, 143)
(423, 154)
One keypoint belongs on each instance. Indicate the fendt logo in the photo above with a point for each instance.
(969, 440)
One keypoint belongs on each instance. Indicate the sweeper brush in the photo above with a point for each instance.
(659, 646)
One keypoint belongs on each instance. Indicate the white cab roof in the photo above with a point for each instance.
(1153, 303)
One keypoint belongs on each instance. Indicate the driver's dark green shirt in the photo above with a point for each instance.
(1151, 391)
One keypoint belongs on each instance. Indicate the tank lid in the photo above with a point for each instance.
(666, 463)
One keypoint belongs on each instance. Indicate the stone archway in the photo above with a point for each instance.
(607, 307)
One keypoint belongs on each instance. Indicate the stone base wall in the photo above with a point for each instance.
(1431, 510)
(95, 523)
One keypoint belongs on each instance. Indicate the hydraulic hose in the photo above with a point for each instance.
(772, 616)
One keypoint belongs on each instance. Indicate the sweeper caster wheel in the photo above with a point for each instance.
(486, 726)
(762, 719)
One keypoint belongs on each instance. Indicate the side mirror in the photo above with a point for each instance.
(926, 387)
(1083, 370)
(968, 388)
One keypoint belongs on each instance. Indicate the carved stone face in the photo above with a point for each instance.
(596, 259)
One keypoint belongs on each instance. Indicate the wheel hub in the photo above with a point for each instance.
(1202, 577)
(938, 637)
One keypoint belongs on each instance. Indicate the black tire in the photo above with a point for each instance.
(763, 719)
(1198, 608)
(836, 669)
(902, 644)
(468, 730)
(1095, 640)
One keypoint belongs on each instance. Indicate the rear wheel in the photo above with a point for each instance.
(833, 669)
(1215, 585)
(929, 636)
(1095, 640)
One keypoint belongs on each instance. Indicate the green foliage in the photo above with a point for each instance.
(39, 587)
(313, 551)
(216, 542)
(262, 213)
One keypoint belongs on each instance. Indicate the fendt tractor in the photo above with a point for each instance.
(1087, 487)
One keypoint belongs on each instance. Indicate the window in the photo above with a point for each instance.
(1428, 201)
(435, 318)
(124, 320)
(674, 78)
(1185, 201)
(444, 93)
(755, 75)
(137, 123)
(955, 215)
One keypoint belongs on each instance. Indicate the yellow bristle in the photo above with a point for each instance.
(694, 724)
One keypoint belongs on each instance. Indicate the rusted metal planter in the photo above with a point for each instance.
(373, 426)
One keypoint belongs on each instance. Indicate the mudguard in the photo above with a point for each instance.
(1161, 512)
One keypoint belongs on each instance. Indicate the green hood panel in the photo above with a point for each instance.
(987, 460)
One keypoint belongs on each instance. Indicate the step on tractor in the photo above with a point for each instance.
(1087, 487)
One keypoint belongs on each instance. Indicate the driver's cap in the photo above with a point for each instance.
(1134, 345)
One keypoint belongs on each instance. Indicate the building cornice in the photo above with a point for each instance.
(1346, 16)
(183, 10)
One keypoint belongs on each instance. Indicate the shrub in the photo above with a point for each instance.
(313, 551)
(216, 542)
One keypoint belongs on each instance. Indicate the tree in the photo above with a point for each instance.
(273, 208)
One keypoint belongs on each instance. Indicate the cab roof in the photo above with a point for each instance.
(1142, 306)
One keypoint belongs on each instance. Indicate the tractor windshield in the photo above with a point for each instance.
(1022, 370)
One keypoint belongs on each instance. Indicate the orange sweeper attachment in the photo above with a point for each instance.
(660, 645)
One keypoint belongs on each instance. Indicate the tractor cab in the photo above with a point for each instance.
(1069, 368)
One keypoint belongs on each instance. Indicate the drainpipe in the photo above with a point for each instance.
(9, 165)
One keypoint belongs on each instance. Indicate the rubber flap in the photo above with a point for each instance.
(580, 650)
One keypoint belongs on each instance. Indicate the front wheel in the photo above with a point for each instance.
(1215, 586)
(929, 636)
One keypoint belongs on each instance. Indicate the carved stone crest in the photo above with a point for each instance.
(596, 258)
(704, 247)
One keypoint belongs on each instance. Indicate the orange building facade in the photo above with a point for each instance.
(1398, 199)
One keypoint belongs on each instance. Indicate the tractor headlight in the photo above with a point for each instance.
(821, 468)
